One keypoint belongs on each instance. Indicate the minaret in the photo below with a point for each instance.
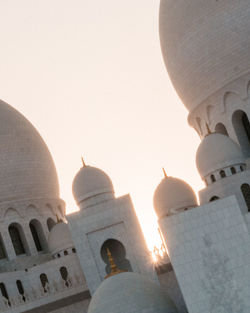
(106, 224)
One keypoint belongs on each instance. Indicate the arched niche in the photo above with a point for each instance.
(50, 223)
(241, 126)
(20, 289)
(248, 89)
(64, 275)
(210, 112)
(3, 254)
(44, 281)
(18, 239)
(221, 129)
(32, 210)
(245, 189)
(38, 235)
(118, 253)
(231, 99)
(11, 212)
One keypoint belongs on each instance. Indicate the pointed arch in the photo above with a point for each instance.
(17, 238)
(50, 223)
(20, 289)
(221, 129)
(231, 99)
(44, 281)
(38, 235)
(64, 275)
(11, 212)
(3, 254)
(4, 292)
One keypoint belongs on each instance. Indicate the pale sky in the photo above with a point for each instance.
(90, 77)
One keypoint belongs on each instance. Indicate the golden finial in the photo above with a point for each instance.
(83, 163)
(208, 129)
(114, 270)
(164, 172)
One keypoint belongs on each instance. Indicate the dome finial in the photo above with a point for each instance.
(164, 172)
(83, 163)
(114, 269)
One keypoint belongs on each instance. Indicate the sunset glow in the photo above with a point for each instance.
(95, 85)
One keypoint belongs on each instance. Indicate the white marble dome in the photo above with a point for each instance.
(27, 170)
(90, 182)
(173, 195)
(60, 238)
(205, 45)
(216, 152)
(130, 292)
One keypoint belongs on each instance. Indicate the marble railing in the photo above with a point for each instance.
(55, 287)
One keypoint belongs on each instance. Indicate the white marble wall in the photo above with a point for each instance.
(114, 219)
(209, 247)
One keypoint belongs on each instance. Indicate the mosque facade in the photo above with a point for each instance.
(96, 260)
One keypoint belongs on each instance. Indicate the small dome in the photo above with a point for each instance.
(130, 292)
(173, 195)
(216, 152)
(60, 238)
(90, 182)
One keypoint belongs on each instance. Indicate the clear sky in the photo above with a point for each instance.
(90, 76)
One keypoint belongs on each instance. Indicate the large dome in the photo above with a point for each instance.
(130, 292)
(215, 152)
(205, 45)
(27, 170)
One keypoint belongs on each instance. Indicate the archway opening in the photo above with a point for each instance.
(242, 129)
(222, 174)
(44, 281)
(4, 292)
(50, 223)
(2, 249)
(221, 129)
(38, 235)
(118, 253)
(245, 189)
(64, 275)
(20, 289)
(17, 238)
